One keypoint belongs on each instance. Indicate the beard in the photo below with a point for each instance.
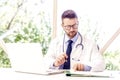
(71, 34)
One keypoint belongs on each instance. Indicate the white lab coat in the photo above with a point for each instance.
(88, 56)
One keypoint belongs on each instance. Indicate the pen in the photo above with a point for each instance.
(74, 59)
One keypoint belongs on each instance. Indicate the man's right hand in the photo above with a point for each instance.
(60, 59)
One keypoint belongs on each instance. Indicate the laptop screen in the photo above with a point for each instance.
(25, 56)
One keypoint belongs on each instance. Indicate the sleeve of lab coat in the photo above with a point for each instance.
(50, 56)
(97, 60)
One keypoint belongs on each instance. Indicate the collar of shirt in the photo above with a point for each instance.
(74, 39)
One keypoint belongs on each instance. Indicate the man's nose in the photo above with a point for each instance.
(71, 28)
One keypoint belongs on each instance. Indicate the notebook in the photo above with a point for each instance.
(27, 58)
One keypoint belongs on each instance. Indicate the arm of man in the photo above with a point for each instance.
(94, 60)
(54, 58)
(97, 61)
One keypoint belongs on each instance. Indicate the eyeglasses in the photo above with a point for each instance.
(74, 26)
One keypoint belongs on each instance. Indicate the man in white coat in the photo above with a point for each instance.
(81, 55)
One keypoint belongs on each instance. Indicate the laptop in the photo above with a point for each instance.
(28, 58)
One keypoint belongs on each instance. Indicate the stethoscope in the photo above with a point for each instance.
(79, 44)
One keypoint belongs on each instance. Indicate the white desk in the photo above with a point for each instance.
(9, 74)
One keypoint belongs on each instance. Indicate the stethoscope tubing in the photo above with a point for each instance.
(80, 44)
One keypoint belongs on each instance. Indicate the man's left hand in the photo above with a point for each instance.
(78, 67)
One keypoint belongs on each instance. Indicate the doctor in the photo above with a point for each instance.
(72, 50)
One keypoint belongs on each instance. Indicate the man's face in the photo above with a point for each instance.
(70, 26)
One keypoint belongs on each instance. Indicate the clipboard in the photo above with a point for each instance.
(88, 74)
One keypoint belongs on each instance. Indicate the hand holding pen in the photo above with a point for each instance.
(60, 60)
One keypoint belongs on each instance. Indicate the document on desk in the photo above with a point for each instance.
(88, 74)
(47, 72)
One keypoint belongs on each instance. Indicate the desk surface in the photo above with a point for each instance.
(9, 74)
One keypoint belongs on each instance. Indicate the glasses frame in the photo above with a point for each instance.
(74, 26)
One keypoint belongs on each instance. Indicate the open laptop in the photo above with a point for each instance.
(27, 58)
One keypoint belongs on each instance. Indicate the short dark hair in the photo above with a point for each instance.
(69, 14)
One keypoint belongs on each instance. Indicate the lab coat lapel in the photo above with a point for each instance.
(76, 51)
